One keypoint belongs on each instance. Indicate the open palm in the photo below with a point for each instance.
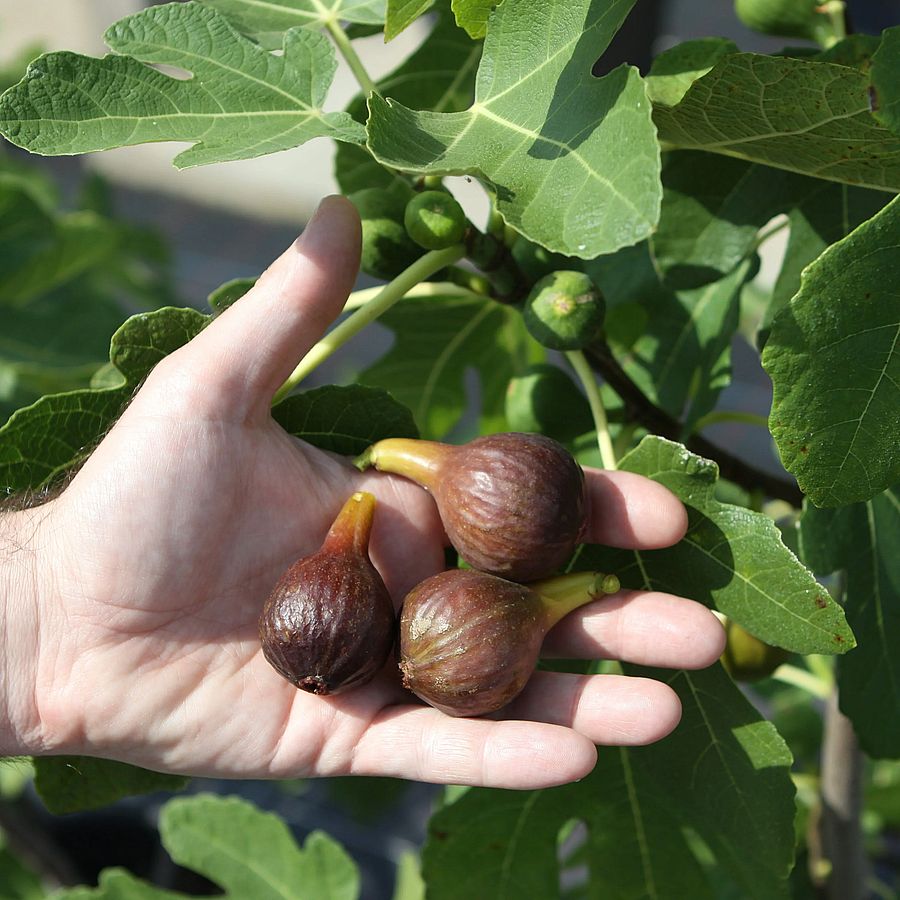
(165, 545)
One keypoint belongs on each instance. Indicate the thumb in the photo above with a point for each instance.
(244, 355)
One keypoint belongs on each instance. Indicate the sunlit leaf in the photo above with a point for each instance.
(572, 159)
(241, 102)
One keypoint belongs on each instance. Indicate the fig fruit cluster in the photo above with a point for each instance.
(514, 506)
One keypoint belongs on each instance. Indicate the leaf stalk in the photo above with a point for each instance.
(393, 291)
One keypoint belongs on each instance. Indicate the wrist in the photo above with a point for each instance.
(22, 731)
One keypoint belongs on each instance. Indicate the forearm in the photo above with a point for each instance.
(21, 730)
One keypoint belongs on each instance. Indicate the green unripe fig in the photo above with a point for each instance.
(564, 311)
(434, 220)
(784, 18)
(746, 657)
(545, 400)
(386, 247)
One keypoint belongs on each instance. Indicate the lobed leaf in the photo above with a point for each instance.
(73, 783)
(797, 114)
(634, 807)
(250, 853)
(118, 884)
(834, 361)
(572, 159)
(240, 102)
(862, 539)
(732, 559)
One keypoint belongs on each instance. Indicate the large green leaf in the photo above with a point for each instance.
(344, 419)
(731, 558)
(251, 853)
(886, 80)
(439, 76)
(862, 539)
(437, 341)
(802, 115)
(573, 159)
(267, 21)
(723, 774)
(726, 772)
(241, 102)
(72, 783)
(681, 357)
(677, 68)
(247, 852)
(834, 360)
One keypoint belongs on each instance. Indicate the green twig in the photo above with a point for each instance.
(595, 401)
(345, 45)
(351, 326)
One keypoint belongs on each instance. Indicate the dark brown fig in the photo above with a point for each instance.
(512, 504)
(329, 623)
(469, 641)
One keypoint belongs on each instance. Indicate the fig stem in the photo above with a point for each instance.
(586, 376)
(393, 291)
(353, 524)
(417, 460)
(565, 593)
(344, 44)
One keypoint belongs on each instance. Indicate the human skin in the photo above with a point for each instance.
(130, 601)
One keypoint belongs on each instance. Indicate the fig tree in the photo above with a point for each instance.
(386, 247)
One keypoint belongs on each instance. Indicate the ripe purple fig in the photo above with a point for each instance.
(329, 623)
(513, 504)
(469, 641)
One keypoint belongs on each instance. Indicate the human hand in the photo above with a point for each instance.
(133, 633)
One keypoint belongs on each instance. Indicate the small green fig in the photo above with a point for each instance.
(469, 641)
(434, 220)
(386, 247)
(512, 504)
(746, 657)
(564, 311)
(329, 623)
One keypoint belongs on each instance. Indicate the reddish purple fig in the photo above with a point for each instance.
(329, 623)
(513, 504)
(469, 641)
